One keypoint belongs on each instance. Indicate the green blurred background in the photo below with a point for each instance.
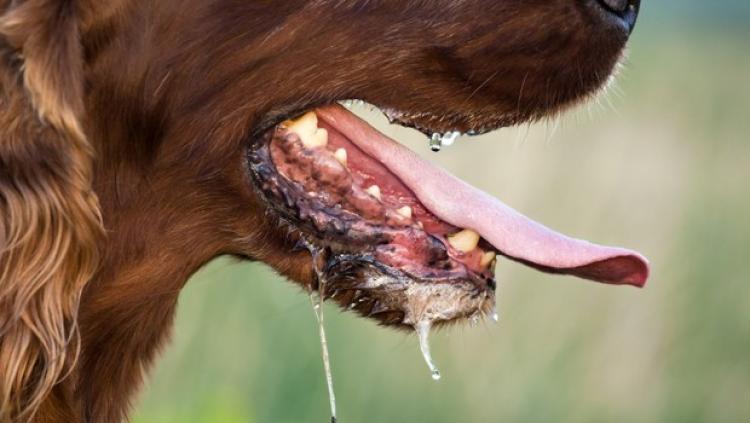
(660, 164)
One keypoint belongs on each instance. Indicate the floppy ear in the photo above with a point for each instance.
(49, 219)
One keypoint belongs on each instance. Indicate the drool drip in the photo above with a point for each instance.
(316, 299)
(423, 331)
(438, 141)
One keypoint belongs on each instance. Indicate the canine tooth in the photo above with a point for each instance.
(374, 190)
(303, 125)
(405, 211)
(466, 240)
(341, 156)
(487, 258)
(319, 139)
(306, 128)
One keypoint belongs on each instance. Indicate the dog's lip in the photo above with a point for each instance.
(424, 122)
(462, 205)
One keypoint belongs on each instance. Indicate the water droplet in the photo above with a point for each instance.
(495, 316)
(450, 137)
(423, 331)
(436, 142)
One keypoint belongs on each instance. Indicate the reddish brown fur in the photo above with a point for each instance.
(170, 94)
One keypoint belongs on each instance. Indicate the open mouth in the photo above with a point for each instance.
(399, 239)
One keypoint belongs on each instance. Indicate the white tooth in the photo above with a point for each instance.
(306, 128)
(487, 258)
(374, 191)
(319, 139)
(465, 241)
(405, 211)
(341, 156)
(303, 125)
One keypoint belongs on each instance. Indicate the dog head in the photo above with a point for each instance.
(232, 131)
(210, 127)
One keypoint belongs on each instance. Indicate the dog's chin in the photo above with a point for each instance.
(397, 298)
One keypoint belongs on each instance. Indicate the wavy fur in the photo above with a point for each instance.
(49, 220)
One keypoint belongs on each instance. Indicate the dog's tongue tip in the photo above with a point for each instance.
(627, 268)
(522, 239)
(513, 234)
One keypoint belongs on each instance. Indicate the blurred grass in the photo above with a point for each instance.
(661, 164)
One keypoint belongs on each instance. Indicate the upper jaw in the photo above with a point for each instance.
(468, 121)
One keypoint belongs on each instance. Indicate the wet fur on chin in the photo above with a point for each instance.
(123, 134)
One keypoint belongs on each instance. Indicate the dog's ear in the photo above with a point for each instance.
(49, 216)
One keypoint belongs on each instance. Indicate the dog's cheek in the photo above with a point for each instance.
(255, 232)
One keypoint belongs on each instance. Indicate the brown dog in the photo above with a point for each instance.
(141, 139)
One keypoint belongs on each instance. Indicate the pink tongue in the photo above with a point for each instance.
(464, 206)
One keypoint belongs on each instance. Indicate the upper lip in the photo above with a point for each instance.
(415, 119)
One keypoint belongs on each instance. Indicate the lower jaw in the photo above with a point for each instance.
(395, 298)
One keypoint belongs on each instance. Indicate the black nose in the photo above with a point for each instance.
(626, 10)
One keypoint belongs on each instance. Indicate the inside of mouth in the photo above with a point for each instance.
(350, 195)
(350, 188)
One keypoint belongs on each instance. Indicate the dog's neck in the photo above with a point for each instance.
(125, 318)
